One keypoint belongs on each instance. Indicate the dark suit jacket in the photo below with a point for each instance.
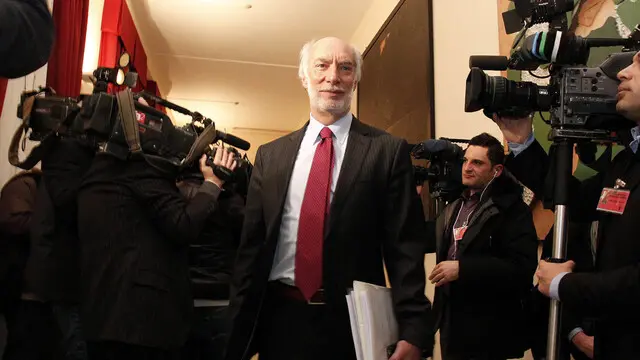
(375, 215)
(134, 228)
(497, 258)
(17, 203)
(53, 269)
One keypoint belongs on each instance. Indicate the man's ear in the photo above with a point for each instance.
(355, 86)
(305, 82)
(498, 170)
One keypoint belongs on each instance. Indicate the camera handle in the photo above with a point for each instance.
(563, 163)
(221, 172)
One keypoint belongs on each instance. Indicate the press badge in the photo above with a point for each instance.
(614, 200)
(458, 233)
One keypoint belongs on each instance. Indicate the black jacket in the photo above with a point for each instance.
(531, 167)
(135, 228)
(375, 214)
(497, 259)
(17, 204)
(212, 254)
(612, 292)
(27, 36)
(53, 269)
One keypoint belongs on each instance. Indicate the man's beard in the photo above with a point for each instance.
(332, 106)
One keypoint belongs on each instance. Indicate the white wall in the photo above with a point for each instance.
(92, 43)
(461, 29)
(9, 121)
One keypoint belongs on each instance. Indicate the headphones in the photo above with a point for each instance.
(495, 173)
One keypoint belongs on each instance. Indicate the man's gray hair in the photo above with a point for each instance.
(305, 54)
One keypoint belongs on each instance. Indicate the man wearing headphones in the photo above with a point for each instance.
(486, 254)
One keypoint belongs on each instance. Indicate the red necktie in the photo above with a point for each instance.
(315, 207)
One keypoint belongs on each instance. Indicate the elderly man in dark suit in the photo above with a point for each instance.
(327, 204)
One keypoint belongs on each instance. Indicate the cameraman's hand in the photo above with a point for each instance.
(224, 158)
(515, 130)
(584, 343)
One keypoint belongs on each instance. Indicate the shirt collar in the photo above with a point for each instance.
(635, 134)
(340, 128)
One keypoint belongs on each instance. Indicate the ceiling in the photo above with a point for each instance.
(257, 31)
(236, 63)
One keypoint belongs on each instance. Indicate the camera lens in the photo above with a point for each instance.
(497, 92)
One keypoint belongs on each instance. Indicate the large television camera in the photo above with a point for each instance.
(444, 170)
(581, 100)
(118, 124)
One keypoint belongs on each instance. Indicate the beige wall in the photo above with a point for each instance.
(239, 97)
(461, 29)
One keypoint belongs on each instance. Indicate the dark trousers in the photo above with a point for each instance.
(32, 332)
(113, 350)
(208, 334)
(449, 352)
(290, 329)
(68, 318)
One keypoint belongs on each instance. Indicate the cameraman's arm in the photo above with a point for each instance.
(527, 160)
(531, 166)
(63, 168)
(17, 204)
(179, 220)
(27, 36)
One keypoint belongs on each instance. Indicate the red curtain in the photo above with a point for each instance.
(3, 90)
(64, 73)
(109, 44)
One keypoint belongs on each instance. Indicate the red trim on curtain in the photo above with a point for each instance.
(3, 91)
(64, 73)
(140, 61)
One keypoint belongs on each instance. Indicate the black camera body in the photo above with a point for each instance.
(581, 100)
(444, 172)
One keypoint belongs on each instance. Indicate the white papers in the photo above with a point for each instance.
(373, 322)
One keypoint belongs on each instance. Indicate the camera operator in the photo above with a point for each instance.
(26, 36)
(211, 259)
(612, 292)
(486, 251)
(31, 329)
(529, 163)
(53, 268)
(135, 228)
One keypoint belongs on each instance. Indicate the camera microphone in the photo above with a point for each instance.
(233, 140)
(489, 62)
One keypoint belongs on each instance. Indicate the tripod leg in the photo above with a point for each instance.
(564, 160)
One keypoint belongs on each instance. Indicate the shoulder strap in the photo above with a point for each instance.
(14, 147)
(127, 112)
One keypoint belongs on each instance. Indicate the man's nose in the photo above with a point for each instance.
(332, 74)
(624, 73)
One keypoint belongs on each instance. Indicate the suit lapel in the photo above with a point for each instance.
(357, 148)
(285, 160)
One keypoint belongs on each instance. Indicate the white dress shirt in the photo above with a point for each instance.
(283, 268)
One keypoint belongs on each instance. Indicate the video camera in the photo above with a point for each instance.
(581, 100)
(444, 172)
(118, 125)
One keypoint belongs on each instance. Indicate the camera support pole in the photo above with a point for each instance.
(564, 161)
